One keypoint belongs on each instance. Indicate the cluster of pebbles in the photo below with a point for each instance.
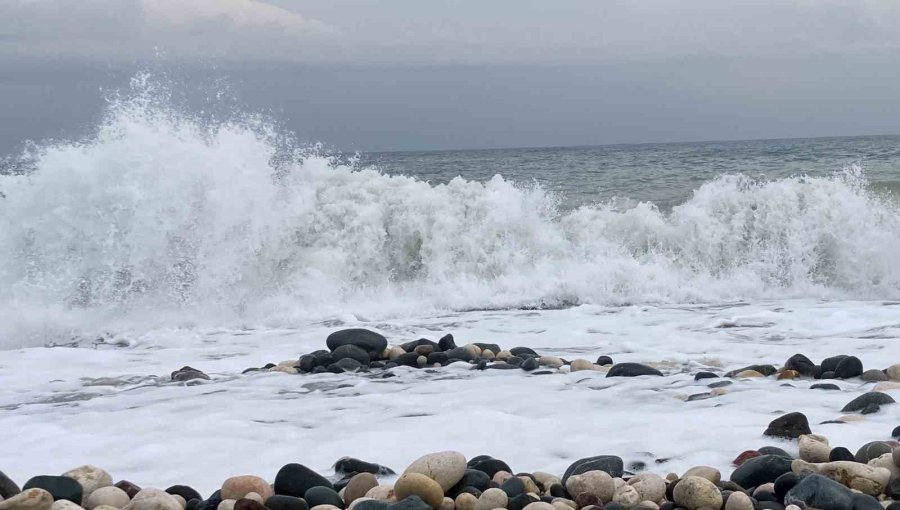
(768, 478)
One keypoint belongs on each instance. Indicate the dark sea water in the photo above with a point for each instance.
(665, 174)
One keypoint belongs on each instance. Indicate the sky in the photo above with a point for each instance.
(439, 74)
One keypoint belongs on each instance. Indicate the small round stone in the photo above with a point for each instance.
(694, 492)
(415, 484)
(492, 498)
(465, 501)
(111, 495)
(237, 487)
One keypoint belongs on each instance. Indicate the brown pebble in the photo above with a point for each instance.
(424, 350)
(586, 499)
(248, 504)
(129, 488)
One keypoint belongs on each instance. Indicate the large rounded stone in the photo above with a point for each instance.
(237, 487)
(817, 491)
(814, 448)
(296, 479)
(789, 426)
(710, 473)
(488, 465)
(626, 496)
(322, 496)
(8, 488)
(445, 468)
(365, 339)
(872, 398)
(632, 370)
(739, 501)
(759, 470)
(871, 450)
(279, 502)
(358, 486)
(29, 499)
(848, 367)
(111, 496)
(91, 478)
(417, 484)
(60, 487)
(595, 483)
(695, 492)
(492, 498)
(153, 499)
(650, 486)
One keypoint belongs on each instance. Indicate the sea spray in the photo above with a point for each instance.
(164, 219)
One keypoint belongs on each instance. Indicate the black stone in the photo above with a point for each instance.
(871, 409)
(446, 343)
(825, 386)
(460, 353)
(801, 364)
(8, 488)
(765, 495)
(611, 464)
(248, 504)
(515, 361)
(211, 503)
(558, 491)
(719, 384)
(893, 489)
(488, 465)
(411, 346)
(637, 466)
(820, 492)
(604, 360)
(520, 501)
(896, 432)
(377, 364)
(296, 479)
(784, 483)
(186, 492)
(523, 352)
(871, 450)
(409, 359)
(319, 370)
(759, 470)
(410, 503)
(323, 358)
(440, 358)
(866, 502)
(481, 365)
(765, 370)
(513, 487)
(350, 465)
(369, 504)
(705, 375)
(830, 364)
(861, 402)
(613, 506)
(60, 487)
(188, 374)
(840, 453)
(529, 364)
(632, 370)
(316, 496)
(827, 375)
(774, 450)
(848, 367)
(470, 490)
(501, 365)
(344, 365)
(306, 363)
(365, 339)
(491, 347)
(668, 505)
(790, 426)
(472, 478)
(340, 484)
(352, 352)
(192, 504)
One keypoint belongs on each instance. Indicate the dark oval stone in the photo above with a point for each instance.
(558, 491)
(344, 365)
(323, 358)
(374, 365)
(896, 432)
(8, 488)
(501, 365)
(440, 358)
(830, 364)
(409, 359)
(840, 453)
(719, 384)
(848, 367)
(446, 343)
(784, 483)
(790, 426)
(488, 465)
(129, 488)
(296, 479)
(866, 502)
(60, 487)
(282, 502)
(611, 464)
(186, 492)
(759, 470)
(705, 375)
(827, 375)
(316, 496)
(587, 499)
(765, 495)
(774, 450)
(472, 478)
(513, 487)
(212, 502)
(825, 386)
(351, 465)
(370, 505)
(801, 364)
(515, 361)
(365, 339)
(604, 360)
(306, 363)
(192, 504)
(352, 352)
(893, 489)
(820, 492)
(319, 370)
(529, 364)
(247, 504)
(471, 490)
(632, 370)
(872, 450)
(670, 489)
(188, 374)
(410, 503)
(522, 352)
(411, 346)
(866, 399)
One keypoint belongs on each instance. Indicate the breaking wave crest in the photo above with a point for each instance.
(165, 219)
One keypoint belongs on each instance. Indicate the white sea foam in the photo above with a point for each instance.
(163, 219)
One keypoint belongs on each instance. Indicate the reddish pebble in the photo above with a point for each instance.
(745, 456)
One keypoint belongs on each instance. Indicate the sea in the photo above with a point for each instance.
(164, 239)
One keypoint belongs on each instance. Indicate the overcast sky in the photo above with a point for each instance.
(422, 74)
